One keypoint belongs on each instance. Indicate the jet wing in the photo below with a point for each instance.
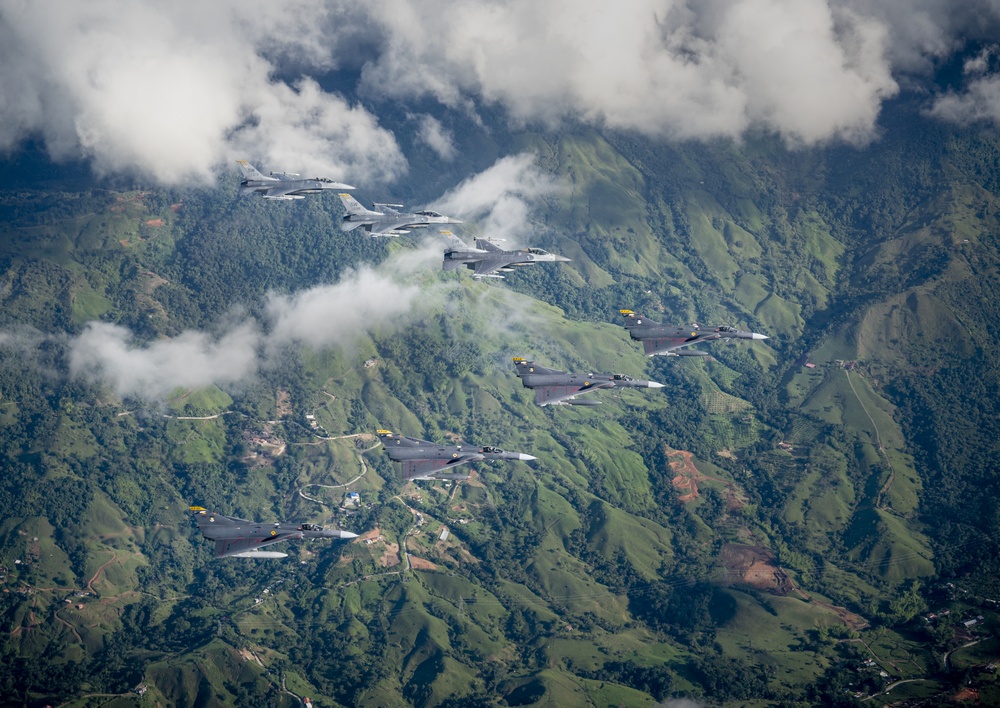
(486, 266)
(391, 226)
(225, 548)
(422, 469)
(666, 344)
(545, 395)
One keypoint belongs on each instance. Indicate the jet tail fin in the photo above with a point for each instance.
(251, 172)
(454, 241)
(353, 206)
(634, 318)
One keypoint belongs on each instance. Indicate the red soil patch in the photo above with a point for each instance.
(154, 222)
(421, 563)
(966, 694)
(687, 476)
(176, 207)
(755, 566)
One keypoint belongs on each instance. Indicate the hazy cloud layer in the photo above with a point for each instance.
(176, 88)
(325, 316)
(502, 198)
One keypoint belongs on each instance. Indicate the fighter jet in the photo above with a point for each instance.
(426, 460)
(487, 258)
(559, 388)
(238, 538)
(386, 220)
(282, 185)
(671, 340)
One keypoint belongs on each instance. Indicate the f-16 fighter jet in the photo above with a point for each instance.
(238, 538)
(282, 185)
(385, 220)
(670, 340)
(559, 388)
(426, 460)
(487, 258)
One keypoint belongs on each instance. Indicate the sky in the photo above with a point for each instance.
(177, 89)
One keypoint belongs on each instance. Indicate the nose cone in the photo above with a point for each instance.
(653, 384)
(525, 458)
(343, 535)
(450, 220)
(758, 336)
(562, 259)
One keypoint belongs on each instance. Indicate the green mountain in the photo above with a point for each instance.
(752, 533)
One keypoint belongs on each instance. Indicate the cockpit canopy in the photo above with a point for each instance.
(537, 251)
(428, 213)
(623, 377)
(727, 329)
(492, 449)
(311, 527)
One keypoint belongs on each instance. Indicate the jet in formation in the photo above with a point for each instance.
(385, 220)
(486, 259)
(421, 459)
(560, 388)
(672, 340)
(239, 538)
(282, 185)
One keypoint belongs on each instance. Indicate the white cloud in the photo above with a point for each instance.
(802, 68)
(321, 317)
(501, 198)
(176, 88)
(436, 137)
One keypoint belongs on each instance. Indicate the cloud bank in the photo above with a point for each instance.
(325, 316)
(502, 198)
(176, 88)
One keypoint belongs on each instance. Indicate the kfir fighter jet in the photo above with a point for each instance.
(672, 340)
(559, 388)
(426, 460)
(239, 538)
(487, 259)
(385, 220)
(283, 185)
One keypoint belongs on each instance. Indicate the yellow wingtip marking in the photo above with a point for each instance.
(384, 432)
(518, 358)
(196, 508)
(626, 312)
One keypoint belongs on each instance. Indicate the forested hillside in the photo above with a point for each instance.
(757, 530)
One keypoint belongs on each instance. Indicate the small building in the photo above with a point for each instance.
(810, 365)
(352, 499)
(371, 362)
(444, 534)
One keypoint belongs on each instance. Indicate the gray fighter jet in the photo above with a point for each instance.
(238, 538)
(487, 258)
(282, 185)
(671, 340)
(559, 388)
(385, 220)
(426, 460)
